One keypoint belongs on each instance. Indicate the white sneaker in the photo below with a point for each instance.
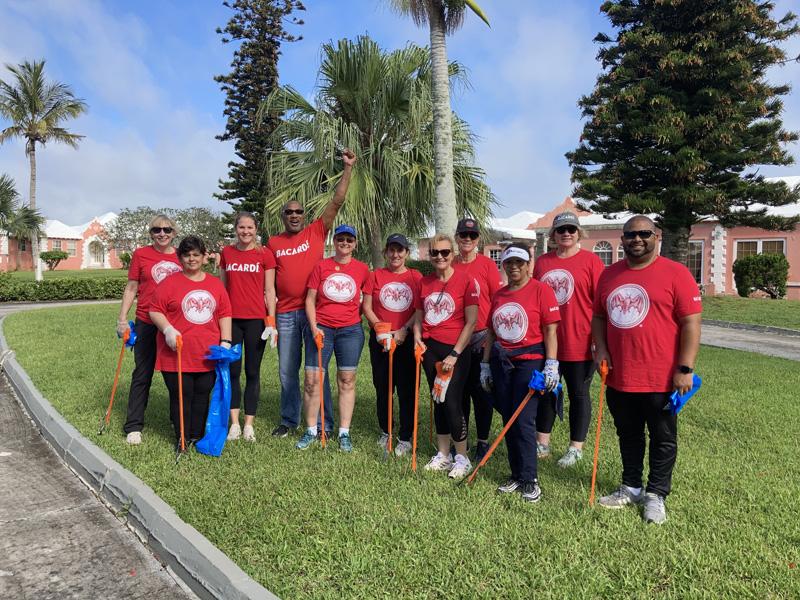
(440, 462)
(235, 432)
(461, 467)
(248, 433)
(383, 439)
(134, 438)
(402, 448)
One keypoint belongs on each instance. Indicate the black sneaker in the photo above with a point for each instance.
(531, 492)
(509, 486)
(481, 449)
(281, 431)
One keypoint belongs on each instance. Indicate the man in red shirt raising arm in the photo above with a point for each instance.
(646, 325)
(297, 251)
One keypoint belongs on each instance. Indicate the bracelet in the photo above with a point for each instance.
(223, 341)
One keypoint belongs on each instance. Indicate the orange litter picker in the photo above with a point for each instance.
(318, 340)
(104, 421)
(603, 375)
(418, 352)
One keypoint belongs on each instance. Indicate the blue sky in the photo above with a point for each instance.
(146, 70)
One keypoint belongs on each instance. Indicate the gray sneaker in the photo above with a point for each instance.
(571, 456)
(402, 448)
(654, 510)
(383, 440)
(542, 450)
(509, 486)
(620, 498)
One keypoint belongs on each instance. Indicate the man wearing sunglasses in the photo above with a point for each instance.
(297, 251)
(646, 326)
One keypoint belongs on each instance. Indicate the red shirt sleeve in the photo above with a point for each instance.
(222, 261)
(369, 284)
(493, 277)
(268, 259)
(687, 294)
(318, 230)
(160, 299)
(548, 305)
(315, 278)
(598, 306)
(471, 293)
(224, 308)
(596, 270)
(135, 268)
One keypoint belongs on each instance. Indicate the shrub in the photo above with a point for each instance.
(52, 257)
(423, 266)
(100, 288)
(125, 259)
(763, 272)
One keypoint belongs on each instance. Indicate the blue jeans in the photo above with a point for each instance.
(346, 344)
(292, 326)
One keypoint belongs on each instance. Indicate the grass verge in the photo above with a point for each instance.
(316, 524)
(70, 274)
(757, 311)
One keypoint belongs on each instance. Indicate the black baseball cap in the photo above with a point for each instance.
(399, 239)
(467, 226)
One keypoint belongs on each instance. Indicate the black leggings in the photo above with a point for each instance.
(449, 415)
(481, 399)
(248, 333)
(403, 378)
(144, 356)
(196, 392)
(578, 377)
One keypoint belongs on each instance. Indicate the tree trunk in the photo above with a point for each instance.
(675, 243)
(376, 243)
(445, 215)
(37, 266)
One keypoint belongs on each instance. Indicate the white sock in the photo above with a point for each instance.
(343, 430)
(634, 491)
(312, 430)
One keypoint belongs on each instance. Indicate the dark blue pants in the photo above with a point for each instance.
(509, 391)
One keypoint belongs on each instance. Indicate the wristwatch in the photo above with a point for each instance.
(454, 354)
(685, 370)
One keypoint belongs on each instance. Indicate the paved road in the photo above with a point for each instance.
(771, 344)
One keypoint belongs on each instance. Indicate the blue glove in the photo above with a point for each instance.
(221, 354)
(129, 343)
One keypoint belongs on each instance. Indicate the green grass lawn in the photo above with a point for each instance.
(70, 274)
(320, 524)
(758, 311)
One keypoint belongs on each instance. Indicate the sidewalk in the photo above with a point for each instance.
(752, 339)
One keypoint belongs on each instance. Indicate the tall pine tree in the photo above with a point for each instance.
(683, 114)
(260, 27)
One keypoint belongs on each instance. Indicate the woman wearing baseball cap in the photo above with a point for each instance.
(572, 273)
(522, 338)
(389, 296)
(333, 308)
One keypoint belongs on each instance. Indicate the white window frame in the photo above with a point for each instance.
(759, 243)
(496, 259)
(610, 249)
(74, 250)
(702, 259)
(57, 244)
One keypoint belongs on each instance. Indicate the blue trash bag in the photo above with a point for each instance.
(678, 401)
(131, 341)
(219, 407)
(537, 383)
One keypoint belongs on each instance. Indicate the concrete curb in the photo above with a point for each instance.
(197, 562)
(752, 327)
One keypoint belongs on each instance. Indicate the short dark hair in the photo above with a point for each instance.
(189, 243)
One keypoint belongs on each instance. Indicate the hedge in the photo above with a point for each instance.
(100, 288)
(764, 272)
(423, 266)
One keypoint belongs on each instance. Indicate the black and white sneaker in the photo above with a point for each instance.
(531, 492)
(512, 485)
(281, 431)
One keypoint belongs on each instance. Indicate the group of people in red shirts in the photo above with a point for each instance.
(481, 339)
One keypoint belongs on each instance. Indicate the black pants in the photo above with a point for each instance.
(509, 391)
(403, 379)
(481, 399)
(144, 356)
(631, 412)
(448, 415)
(578, 377)
(196, 392)
(248, 333)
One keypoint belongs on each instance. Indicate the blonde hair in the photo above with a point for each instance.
(442, 237)
(158, 221)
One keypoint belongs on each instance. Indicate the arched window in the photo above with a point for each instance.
(620, 252)
(98, 252)
(604, 251)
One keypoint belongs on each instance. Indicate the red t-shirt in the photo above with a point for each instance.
(338, 291)
(442, 305)
(149, 268)
(484, 270)
(245, 271)
(296, 255)
(642, 309)
(194, 308)
(518, 316)
(574, 281)
(393, 295)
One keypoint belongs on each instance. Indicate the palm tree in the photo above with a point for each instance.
(379, 105)
(36, 109)
(8, 200)
(442, 17)
(20, 222)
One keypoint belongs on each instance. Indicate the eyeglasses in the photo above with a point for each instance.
(155, 230)
(293, 211)
(346, 239)
(468, 234)
(644, 234)
(445, 252)
(566, 229)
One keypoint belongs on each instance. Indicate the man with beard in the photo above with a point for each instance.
(646, 326)
(297, 251)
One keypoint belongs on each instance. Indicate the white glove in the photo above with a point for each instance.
(551, 376)
(270, 332)
(171, 336)
(440, 384)
(486, 377)
(385, 339)
(226, 345)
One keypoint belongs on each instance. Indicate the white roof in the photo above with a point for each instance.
(520, 220)
(103, 219)
(54, 228)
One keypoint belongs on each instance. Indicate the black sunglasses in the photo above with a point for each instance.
(644, 234)
(344, 238)
(293, 211)
(444, 252)
(566, 229)
(468, 234)
(155, 230)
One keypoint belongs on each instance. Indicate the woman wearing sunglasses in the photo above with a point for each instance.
(248, 272)
(522, 338)
(333, 308)
(149, 267)
(389, 307)
(446, 312)
(572, 273)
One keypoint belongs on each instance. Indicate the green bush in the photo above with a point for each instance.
(125, 258)
(100, 288)
(765, 272)
(423, 266)
(52, 257)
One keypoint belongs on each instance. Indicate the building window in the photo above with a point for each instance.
(772, 247)
(57, 245)
(752, 247)
(72, 247)
(22, 244)
(495, 256)
(604, 251)
(620, 252)
(694, 260)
